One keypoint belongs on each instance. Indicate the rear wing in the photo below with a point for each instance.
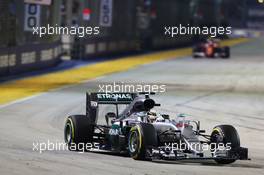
(94, 99)
(112, 98)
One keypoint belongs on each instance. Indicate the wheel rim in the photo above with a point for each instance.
(216, 138)
(133, 142)
(68, 133)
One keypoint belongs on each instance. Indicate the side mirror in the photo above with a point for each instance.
(109, 115)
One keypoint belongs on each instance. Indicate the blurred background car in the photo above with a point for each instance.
(211, 48)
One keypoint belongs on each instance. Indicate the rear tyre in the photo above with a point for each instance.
(78, 132)
(225, 134)
(141, 139)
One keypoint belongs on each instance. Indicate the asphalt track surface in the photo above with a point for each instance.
(214, 91)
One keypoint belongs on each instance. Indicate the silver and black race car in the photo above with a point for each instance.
(144, 134)
(210, 48)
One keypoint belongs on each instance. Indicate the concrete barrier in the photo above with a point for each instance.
(19, 59)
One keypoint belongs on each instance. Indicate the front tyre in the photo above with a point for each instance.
(196, 49)
(226, 53)
(225, 134)
(136, 146)
(142, 137)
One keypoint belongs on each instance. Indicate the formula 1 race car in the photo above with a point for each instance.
(211, 49)
(144, 134)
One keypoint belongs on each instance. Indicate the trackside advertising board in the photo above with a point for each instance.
(106, 13)
(40, 2)
(32, 16)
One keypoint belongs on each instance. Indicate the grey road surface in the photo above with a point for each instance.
(214, 91)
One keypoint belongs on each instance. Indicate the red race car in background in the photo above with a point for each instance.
(211, 48)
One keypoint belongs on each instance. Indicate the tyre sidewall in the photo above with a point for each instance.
(230, 136)
(139, 152)
(81, 132)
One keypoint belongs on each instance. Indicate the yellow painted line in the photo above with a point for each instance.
(18, 89)
(233, 42)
